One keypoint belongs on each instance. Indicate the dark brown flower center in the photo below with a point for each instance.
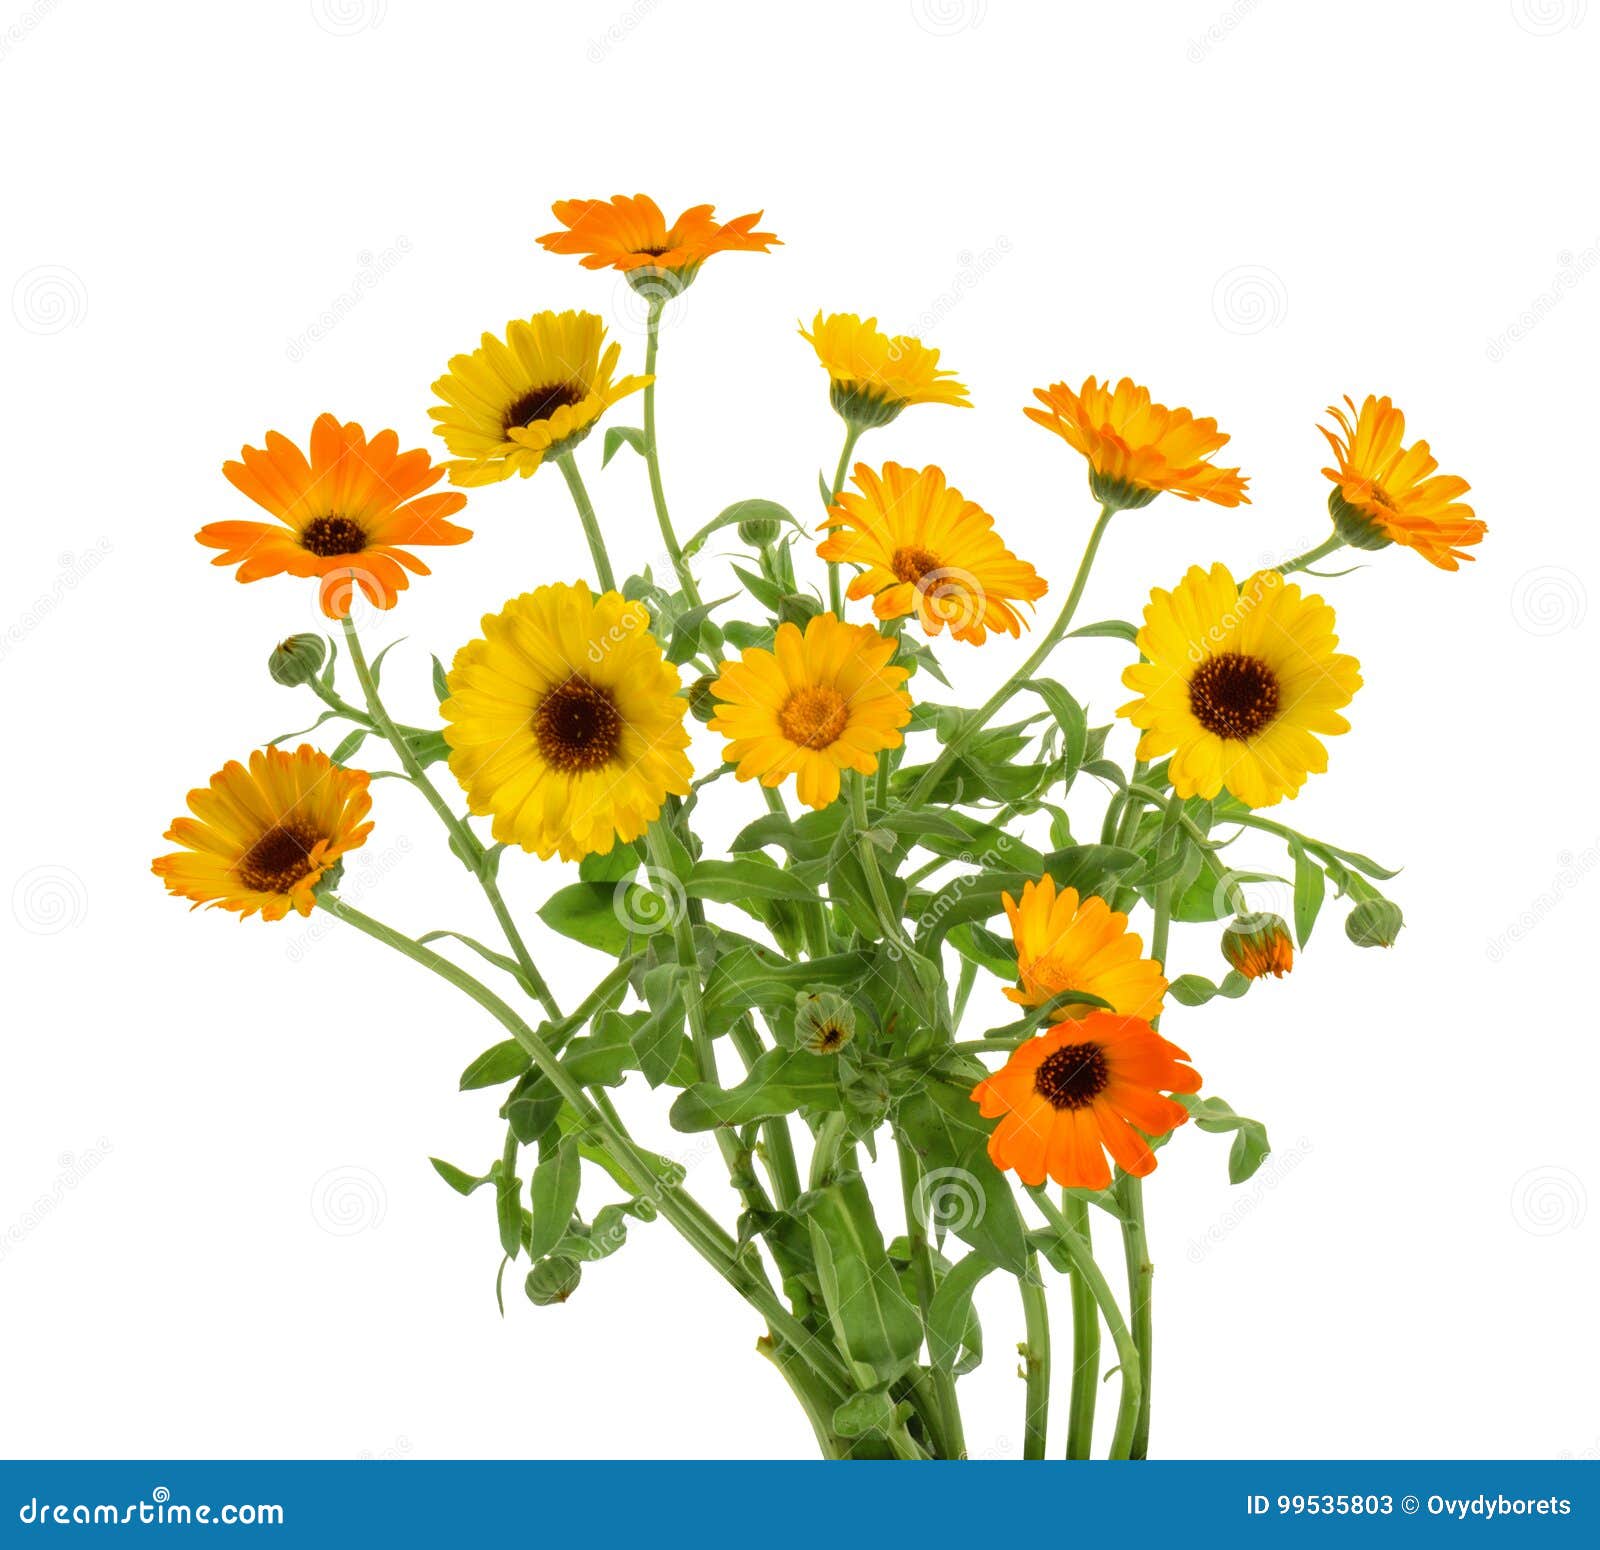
(1233, 695)
(814, 717)
(578, 727)
(540, 403)
(325, 536)
(280, 858)
(912, 564)
(1073, 1076)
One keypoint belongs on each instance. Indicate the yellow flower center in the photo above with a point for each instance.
(279, 859)
(912, 564)
(1073, 1076)
(814, 717)
(1234, 695)
(325, 536)
(540, 403)
(578, 727)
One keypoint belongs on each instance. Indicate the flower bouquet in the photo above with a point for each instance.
(800, 997)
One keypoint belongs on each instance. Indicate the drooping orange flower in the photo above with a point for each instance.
(1067, 943)
(1388, 493)
(1138, 449)
(631, 233)
(1069, 1096)
(341, 517)
(1259, 944)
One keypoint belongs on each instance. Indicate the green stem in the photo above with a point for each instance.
(972, 724)
(1085, 1341)
(591, 524)
(465, 843)
(888, 917)
(1035, 1352)
(852, 434)
(652, 456)
(952, 1441)
(1311, 556)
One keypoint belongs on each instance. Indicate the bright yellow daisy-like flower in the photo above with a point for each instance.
(819, 702)
(631, 234)
(924, 548)
(872, 377)
(564, 722)
(1138, 449)
(1065, 942)
(537, 393)
(261, 838)
(1239, 683)
(1385, 493)
(348, 516)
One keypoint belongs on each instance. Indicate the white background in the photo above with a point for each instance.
(220, 1232)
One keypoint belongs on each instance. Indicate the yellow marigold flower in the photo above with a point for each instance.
(1238, 683)
(1258, 945)
(537, 393)
(1065, 942)
(872, 377)
(630, 234)
(262, 838)
(1387, 493)
(819, 702)
(347, 516)
(565, 724)
(1138, 449)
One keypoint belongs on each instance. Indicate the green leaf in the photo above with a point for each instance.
(961, 1188)
(872, 1414)
(499, 960)
(1070, 717)
(732, 516)
(1250, 1144)
(1310, 888)
(588, 913)
(503, 1062)
(756, 977)
(657, 1039)
(349, 744)
(765, 592)
(554, 1193)
(619, 435)
(429, 747)
(462, 1182)
(618, 863)
(532, 1108)
(1118, 629)
(1196, 989)
(686, 629)
(780, 1081)
(952, 1325)
(441, 684)
(508, 1211)
(733, 882)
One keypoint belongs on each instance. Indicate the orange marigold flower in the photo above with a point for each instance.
(1385, 493)
(631, 233)
(341, 516)
(926, 549)
(1067, 943)
(1069, 1096)
(1138, 449)
(1258, 945)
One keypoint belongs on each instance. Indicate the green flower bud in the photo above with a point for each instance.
(297, 660)
(797, 608)
(758, 532)
(1258, 945)
(552, 1280)
(1119, 494)
(702, 702)
(1374, 923)
(1355, 525)
(823, 1022)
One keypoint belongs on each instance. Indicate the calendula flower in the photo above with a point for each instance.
(872, 377)
(537, 393)
(819, 702)
(565, 724)
(342, 517)
(1067, 1097)
(1137, 449)
(261, 838)
(1239, 683)
(924, 548)
(632, 235)
(1065, 942)
(1259, 944)
(1387, 493)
